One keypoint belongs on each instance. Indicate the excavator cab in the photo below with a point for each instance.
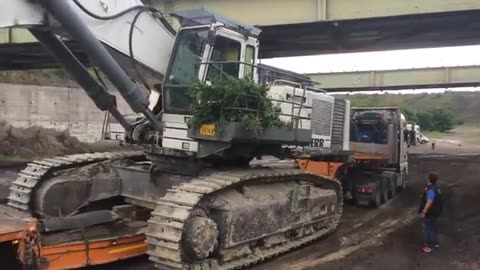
(207, 53)
(204, 53)
(208, 47)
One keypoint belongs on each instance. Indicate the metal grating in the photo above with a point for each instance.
(338, 123)
(321, 117)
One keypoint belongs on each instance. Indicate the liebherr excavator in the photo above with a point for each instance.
(208, 206)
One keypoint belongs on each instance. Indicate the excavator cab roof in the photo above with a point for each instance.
(202, 17)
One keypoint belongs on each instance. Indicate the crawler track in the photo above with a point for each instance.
(168, 220)
(38, 171)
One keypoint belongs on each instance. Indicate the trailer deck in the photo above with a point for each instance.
(12, 224)
(71, 248)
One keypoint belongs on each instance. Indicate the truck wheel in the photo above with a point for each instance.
(403, 182)
(385, 186)
(377, 199)
(392, 187)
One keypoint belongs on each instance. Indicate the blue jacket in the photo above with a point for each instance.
(436, 209)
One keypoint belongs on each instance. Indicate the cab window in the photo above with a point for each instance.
(184, 72)
(249, 59)
(224, 50)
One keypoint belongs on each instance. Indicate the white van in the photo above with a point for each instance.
(421, 139)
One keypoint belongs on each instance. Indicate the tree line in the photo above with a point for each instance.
(433, 119)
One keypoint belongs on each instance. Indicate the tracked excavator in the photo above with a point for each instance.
(207, 205)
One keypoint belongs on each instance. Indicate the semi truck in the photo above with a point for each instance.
(375, 167)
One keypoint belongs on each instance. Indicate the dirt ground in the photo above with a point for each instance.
(447, 145)
(391, 237)
(26, 144)
(33, 142)
(7, 174)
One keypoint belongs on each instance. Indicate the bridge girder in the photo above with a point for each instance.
(418, 78)
(307, 27)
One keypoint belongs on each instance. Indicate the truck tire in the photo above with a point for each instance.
(403, 181)
(392, 186)
(384, 191)
(377, 199)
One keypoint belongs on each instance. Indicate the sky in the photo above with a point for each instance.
(384, 60)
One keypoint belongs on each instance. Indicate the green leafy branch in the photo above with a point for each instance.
(230, 99)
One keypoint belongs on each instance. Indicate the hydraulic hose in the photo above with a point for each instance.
(74, 26)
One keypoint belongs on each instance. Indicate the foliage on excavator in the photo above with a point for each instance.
(230, 99)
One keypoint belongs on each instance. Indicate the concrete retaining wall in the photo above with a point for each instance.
(61, 108)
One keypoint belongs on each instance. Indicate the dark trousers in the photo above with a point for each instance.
(431, 231)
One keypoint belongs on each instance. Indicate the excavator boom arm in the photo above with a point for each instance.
(137, 42)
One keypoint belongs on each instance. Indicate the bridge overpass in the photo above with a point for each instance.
(416, 78)
(305, 27)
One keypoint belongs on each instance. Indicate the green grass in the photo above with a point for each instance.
(466, 128)
(13, 158)
(435, 134)
(469, 127)
(474, 140)
(469, 133)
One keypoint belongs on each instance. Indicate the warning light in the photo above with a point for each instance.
(366, 190)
